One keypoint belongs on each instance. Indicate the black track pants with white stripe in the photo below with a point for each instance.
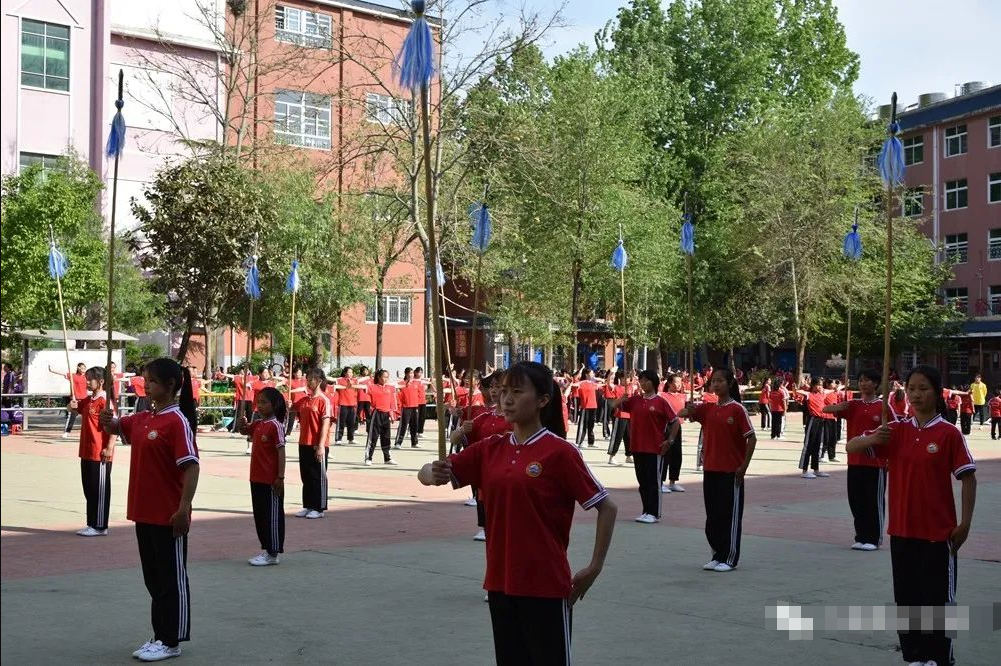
(269, 517)
(164, 561)
(867, 500)
(813, 440)
(96, 478)
(408, 421)
(778, 421)
(530, 631)
(314, 478)
(924, 574)
(724, 499)
(671, 467)
(647, 467)
(379, 432)
(585, 426)
(619, 435)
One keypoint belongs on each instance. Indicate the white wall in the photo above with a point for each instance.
(38, 379)
(175, 18)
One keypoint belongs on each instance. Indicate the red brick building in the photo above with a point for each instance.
(952, 149)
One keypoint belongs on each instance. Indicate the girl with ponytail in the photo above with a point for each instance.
(530, 479)
(163, 477)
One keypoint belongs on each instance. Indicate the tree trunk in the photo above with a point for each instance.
(210, 336)
(733, 363)
(338, 330)
(379, 324)
(512, 346)
(800, 334)
(182, 351)
(574, 307)
(316, 357)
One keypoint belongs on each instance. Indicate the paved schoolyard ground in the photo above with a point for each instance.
(392, 575)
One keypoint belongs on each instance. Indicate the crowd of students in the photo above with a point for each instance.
(508, 434)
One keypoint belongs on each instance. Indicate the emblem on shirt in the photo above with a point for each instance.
(729, 420)
(264, 439)
(534, 469)
(151, 434)
(875, 417)
(932, 448)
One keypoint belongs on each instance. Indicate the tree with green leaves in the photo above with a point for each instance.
(195, 235)
(66, 199)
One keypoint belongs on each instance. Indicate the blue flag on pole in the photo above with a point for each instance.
(57, 262)
(252, 284)
(292, 283)
(415, 62)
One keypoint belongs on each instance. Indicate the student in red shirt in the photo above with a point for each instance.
(778, 405)
(297, 394)
(866, 471)
(364, 400)
(831, 397)
(763, 403)
(422, 399)
(813, 438)
(486, 422)
(97, 448)
(347, 418)
(952, 400)
(314, 445)
(606, 393)
(382, 395)
(409, 397)
(653, 425)
(994, 405)
(163, 477)
(923, 451)
(531, 504)
(620, 426)
(587, 393)
(267, 474)
(965, 410)
(138, 384)
(671, 469)
(79, 379)
(729, 441)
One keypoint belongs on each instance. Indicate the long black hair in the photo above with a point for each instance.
(317, 373)
(934, 378)
(170, 373)
(277, 400)
(733, 389)
(541, 379)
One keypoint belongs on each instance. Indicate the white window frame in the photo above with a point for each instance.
(960, 298)
(303, 27)
(910, 145)
(956, 189)
(386, 109)
(389, 303)
(45, 39)
(957, 250)
(960, 137)
(914, 196)
(994, 244)
(993, 123)
(500, 349)
(307, 102)
(992, 180)
(46, 161)
(994, 299)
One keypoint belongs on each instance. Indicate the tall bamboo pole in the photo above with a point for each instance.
(885, 388)
(109, 379)
(62, 314)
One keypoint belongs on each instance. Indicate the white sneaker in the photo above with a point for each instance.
(857, 545)
(302, 513)
(710, 565)
(676, 488)
(158, 652)
(66, 435)
(629, 460)
(664, 489)
(91, 532)
(392, 462)
(723, 567)
(808, 475)
(397, 446)
(822, 475)
(263, 560)
(470, 502)
(698, 468)
(486, 597)
(868, 546)
(613, 462)
(248, 450)
(647, 519)
(368, 462)
(480, 536)
(142, 648)
(312, 515)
